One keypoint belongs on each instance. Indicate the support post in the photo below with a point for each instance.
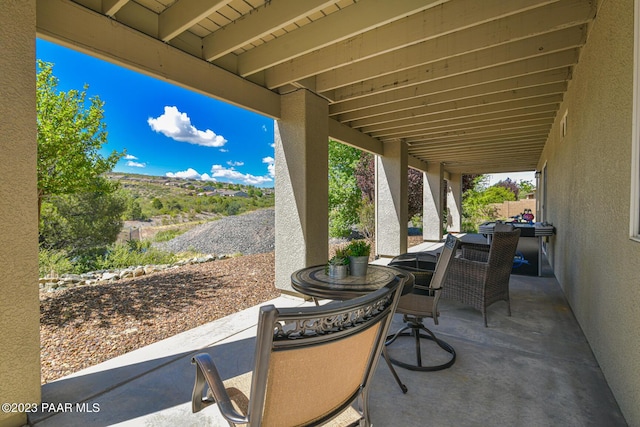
(392, 200)
(432, 200)
(19, 300)
(302, 185)
(454, 203)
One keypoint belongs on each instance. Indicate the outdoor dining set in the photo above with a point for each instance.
(297, 349)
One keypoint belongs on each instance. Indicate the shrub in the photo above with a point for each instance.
(135, 253)
(367, 217)
(166, 235)
(52, 262)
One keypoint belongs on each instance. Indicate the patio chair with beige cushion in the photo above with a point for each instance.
(312, 365)
(481, 278)
(422, 303)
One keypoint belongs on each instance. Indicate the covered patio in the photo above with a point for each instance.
(534, 368)
(447, 87)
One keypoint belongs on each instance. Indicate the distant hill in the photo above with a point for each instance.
(176, 200)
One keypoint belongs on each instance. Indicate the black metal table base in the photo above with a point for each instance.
(416, 329)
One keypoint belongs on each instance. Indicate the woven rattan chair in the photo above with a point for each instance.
(311, 365)
(422, 303)
(480, 279)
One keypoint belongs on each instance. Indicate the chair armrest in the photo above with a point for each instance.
(467, 271)
(425, 290)
(206, 373)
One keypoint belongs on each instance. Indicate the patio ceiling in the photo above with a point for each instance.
(475, 85)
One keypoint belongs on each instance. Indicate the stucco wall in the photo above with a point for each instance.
(19, 305)
(589, 174)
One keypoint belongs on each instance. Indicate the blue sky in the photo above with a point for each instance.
(165, 129)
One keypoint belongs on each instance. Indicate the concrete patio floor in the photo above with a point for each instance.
(532, 369)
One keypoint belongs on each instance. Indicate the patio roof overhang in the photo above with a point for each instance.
(474, 86)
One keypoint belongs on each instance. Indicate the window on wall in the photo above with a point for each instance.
(635, 169)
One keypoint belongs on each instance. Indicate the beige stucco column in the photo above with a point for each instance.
(454, 202)
(19, 303)
(392, 200)
(302, 184)
(432, 203)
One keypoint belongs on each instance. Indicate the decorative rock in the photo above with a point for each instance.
(109, 276)
(148, 269)
(72, 278)
(50, 284)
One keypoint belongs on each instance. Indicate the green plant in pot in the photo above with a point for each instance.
(358, 251)
(338, 265)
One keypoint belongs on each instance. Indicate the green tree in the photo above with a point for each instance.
(70, 134)
(77, 223)
(344, 195)
(365, 177)
(156, 203)
(526, 187)
(415, 194)
(133, 210)
(476, 203)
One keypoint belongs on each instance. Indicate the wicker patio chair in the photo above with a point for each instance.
(480, 251)
(483, 279)
(311, 365)
(422, 303)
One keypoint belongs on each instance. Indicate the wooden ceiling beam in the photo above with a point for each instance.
(184, 14)
(403, 118)
(384, 84)
(429, 24)
(258, 24)
(521, 82)
(358, 18)
(479, 120)
(531, 32)
(406, 133)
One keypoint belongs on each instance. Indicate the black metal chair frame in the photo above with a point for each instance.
(426, 291)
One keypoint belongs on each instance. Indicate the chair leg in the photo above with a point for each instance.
(416, 334)
(413, 329)
(392, 369)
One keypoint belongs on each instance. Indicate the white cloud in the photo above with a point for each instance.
(219, 171)
(130, 157)
(177, 125)
(270, 161)
(224, 150)
(232, 164)
(190, 174)
(136, 164)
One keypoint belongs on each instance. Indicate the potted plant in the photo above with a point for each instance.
(338, 265)
(358, 251)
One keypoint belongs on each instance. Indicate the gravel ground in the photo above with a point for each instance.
(249, 233)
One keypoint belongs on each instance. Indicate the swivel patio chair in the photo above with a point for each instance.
(481, 278)
(422, 303)
(311, 365)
